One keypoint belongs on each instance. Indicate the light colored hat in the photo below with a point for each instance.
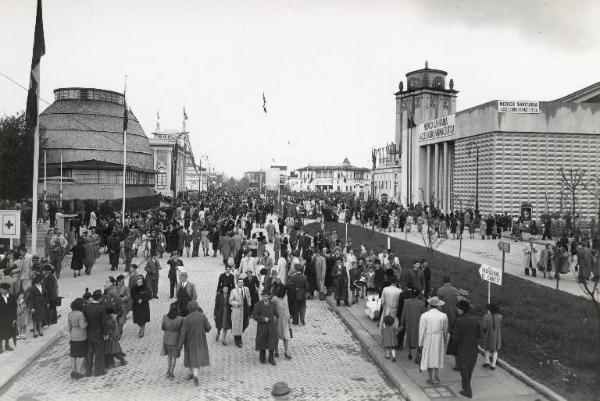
(280, 389)
(435, 301)
(183, 274)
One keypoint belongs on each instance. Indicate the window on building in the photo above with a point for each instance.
(161, 177)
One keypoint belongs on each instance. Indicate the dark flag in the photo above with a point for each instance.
(264, 103)
(125, 118)
(39, 49)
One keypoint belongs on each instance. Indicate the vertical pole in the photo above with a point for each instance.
(477, 180)
(389, 245)
(124, 176)
(60, 192)
(489, 292)
(34, 196)
(45, 176)
(503, 259)
(10, 243)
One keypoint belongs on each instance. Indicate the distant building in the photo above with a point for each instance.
(85, 127)
(194, 178)
(172, 158)
(294, 183)
(275, 176)
(512, 149)
(256, 178)
(343, 177)
(387, 172)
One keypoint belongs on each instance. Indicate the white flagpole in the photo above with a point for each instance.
(45, 184)
(60, 192)
(124, 157)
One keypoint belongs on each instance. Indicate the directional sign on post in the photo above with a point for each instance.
(504, 246)
(10, 224)
(491, 274)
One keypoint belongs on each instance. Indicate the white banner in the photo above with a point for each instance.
(518, 106)
(10, 224)
(441, 129)
(491, 274)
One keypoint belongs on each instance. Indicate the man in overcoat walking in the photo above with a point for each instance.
(240, 302)
(265, 314)
(298, 286)
(8, 316)
(96, 334)
(465, 334)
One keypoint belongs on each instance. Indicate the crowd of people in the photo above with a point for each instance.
(266, 278)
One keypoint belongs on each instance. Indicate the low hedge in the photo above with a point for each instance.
(550, 335)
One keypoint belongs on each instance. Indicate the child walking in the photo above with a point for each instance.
(22, 316)
(390, 337)
(171, 325)
(112, 347)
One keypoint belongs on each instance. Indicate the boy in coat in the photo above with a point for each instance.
(265, 314)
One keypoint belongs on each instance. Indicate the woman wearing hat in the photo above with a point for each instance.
(141, 294)
(193, 336)
(433, 333)
(38, 302)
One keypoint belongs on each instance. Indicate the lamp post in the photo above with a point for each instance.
(203, 157)
(469, 146)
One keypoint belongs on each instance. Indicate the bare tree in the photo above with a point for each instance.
(593, 188)
(571, 180)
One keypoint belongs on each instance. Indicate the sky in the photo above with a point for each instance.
(328, 69)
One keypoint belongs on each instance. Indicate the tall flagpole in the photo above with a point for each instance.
(60, 192)
(125, 118)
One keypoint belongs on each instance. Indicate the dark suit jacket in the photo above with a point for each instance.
(466, 333)
(8, 314)
(95, 316)
(226, 281)
(51, 286)
(299, 284)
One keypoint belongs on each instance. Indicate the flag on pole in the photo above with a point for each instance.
(185, 117)
(125, 115)
(264, 103)
(39, 49)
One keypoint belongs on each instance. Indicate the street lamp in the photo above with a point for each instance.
(203, 157)
(469, 147)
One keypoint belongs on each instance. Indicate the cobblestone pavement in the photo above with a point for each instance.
(328, 363)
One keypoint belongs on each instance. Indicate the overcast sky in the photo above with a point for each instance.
(328, 69)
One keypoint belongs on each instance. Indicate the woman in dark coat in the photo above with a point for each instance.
(37, 301)
(193, 336)
(222, 313)
(78, 258)
(265, 314)
(141, 294)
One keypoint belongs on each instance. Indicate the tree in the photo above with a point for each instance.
(593, 188)
(572, 182)
(16, 158)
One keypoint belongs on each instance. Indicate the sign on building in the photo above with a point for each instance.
(491, 274)
(10, 224)
(518, 106)
(441, 129)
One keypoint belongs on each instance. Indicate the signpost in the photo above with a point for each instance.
(491, 275)
(505, 248)
(10, 225)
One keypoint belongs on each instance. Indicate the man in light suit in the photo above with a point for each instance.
(320, 270)
(239, 299)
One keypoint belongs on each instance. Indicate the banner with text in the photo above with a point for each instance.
(438, 130)
(518, 107)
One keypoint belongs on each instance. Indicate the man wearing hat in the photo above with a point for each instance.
(186, 292)
(465, 336)
(265, 314)
(8, 316)
(416, 277)
(281, 391)
(340, 281)
(447, 293)
(175, 265)
(97, 332)
(51, 286)
(433, 333)
(297, 286)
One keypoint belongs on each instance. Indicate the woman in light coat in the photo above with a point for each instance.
(433, 334)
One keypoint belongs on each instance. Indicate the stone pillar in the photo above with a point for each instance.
(428, 177)
(436, 172)
(445, 186)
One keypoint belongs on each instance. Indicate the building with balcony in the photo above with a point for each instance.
(342, 177)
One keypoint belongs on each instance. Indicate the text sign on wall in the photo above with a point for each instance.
(491, 274)
(10, 224)
(437, 130)
(518, 107)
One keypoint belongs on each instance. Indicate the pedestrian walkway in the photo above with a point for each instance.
(497, 385)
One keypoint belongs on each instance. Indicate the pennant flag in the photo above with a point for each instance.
(273, 160)
(39, 49)
(264, 103)
(157, 115)
(185, 117)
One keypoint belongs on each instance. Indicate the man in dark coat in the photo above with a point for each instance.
(114, 247)
(340, 281)
(51, 287)
(465, 334)
(226, 279)
(298, 286)
(265, 314)
(447, 293)
(153, 274)
(173, 263)
(8, 316)
(96, 334)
